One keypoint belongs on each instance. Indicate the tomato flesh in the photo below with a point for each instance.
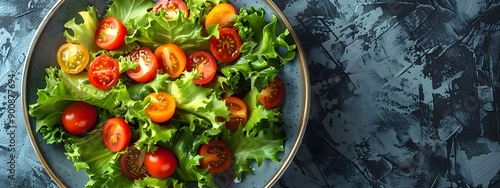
(170, 6)
(161, 163)
(116, 134)
(238, 112)
(132, 163)
(110, 33)
(226, 48)
(171, 59)
(161, 107)
(205, 64)
(221, 14)
(217, 155)
(147, 65)
(72, 58)
(271, 96)
(103, 72)
(79, 118)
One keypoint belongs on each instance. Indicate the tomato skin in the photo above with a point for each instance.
(161, 107)
(221, 14)
(271, 96)
(205, 64)
(116, 134)
(79, 118)
(72, 58)
(110, 33)
(131, 164)
(103, 72)
(170, 6)
(161, 163)
(238, 112)
(171, 59)
(147, 65)
(226, 48)
(217, 155)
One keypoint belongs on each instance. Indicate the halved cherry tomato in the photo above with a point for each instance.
(161, 107)
(72, 58)
(171, 59)
(170, 6)
(205, 64)
(221, 14)
(79, 118)
(116, 134)
(103, 72)
(147, 65)
(226, 48)
(161, 163)
(110, 33)
(271, 96)
(217, 155)
(132, 163)
(238, 112)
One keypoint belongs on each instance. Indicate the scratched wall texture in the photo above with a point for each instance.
(404, 93)
(18, 21)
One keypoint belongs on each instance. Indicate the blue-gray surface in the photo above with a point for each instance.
(404, 93)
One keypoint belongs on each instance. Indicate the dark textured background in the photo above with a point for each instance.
(404, 93)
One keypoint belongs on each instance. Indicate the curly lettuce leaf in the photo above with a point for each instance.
(202, 102)
(186, 148)
(264, 52)
(83, 33)
(129, 10)
(155, 29)
(256, 145)
(101, 165)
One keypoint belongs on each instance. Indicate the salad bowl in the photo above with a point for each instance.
(42, 54)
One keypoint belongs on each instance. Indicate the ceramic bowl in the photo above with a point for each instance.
(49, 37)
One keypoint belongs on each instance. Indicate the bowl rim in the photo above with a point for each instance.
(286, 161)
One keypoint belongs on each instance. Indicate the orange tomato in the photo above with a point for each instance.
(171, 59)
(161, 107)
(238, 112)
(221, 14)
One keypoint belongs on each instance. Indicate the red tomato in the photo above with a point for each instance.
(132, 162)
(161, 107)
(103, 72)
(171, 59)
(238, 112)
(147, 65)
(170, 6)
(161, 163)
(205, 64)
(221, 14)
(217, 156)
(226, 48)
(110, 33)
(79, 118)
(271, 96)
(116, 134)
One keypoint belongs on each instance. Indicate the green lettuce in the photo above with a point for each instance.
(264, 52)
(83, 33)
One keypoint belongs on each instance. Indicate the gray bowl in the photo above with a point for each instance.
(49, 37)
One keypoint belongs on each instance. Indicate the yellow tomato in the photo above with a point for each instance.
(72, 58)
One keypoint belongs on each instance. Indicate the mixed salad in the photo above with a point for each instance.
(165, 93)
